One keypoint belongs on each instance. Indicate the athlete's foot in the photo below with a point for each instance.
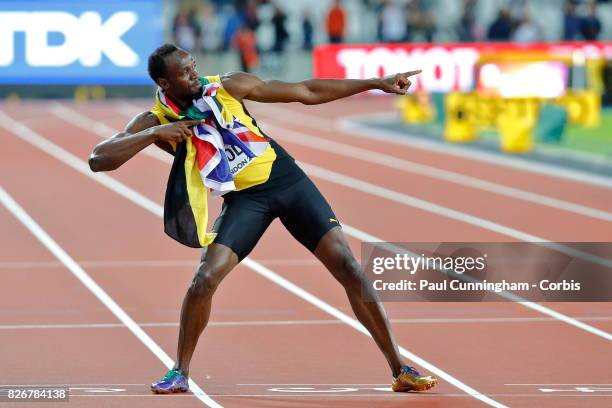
(173, 382)
(409, 379)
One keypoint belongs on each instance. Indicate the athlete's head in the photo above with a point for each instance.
(174, 70)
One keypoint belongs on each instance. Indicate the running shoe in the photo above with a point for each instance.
(173, 382)
(410, 380)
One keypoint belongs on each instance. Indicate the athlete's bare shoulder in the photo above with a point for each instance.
(239, 84)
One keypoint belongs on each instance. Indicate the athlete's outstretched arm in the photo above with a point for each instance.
(311, 92)
(142, 131)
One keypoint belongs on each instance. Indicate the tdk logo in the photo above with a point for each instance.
(85, 38)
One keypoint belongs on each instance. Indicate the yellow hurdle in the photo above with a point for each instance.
(460, 126)
(516, 133)
(416, 109)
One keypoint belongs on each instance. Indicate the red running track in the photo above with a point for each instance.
(266, 346)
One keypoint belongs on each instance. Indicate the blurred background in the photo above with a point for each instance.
(530, 78)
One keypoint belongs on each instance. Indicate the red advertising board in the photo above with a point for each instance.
(446, 67)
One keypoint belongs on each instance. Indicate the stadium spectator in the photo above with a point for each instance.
(467, 30)
(501, 28)
(281, 35)
(233, 22)
(185, 30)
(420, 20)
(392, 22)
(245, 43)
(209, 29)
(571, 22)
(307, 31)
(336, 22)
(251, 18)
(590, 26)
(527, 31)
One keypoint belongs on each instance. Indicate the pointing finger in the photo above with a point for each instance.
(412, 73)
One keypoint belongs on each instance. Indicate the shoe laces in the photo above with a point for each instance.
(410, 370)
(170, 375)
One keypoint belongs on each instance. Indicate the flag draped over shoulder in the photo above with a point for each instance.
(207, 160)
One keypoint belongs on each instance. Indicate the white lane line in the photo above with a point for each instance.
(559, 384)
(35, 139)
(56, 385)
(144, 264)
(478, 320)
(410, 201)
(409, 397)
(365, 237)
(316, 384)
(169, 324)
(349, 230)
(348, 125)
(462, 151)
(94, 288)
(396, 163)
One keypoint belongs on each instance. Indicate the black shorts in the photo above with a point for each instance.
(246, 214)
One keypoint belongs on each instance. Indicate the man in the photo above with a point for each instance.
(284, 191)
(336, 23)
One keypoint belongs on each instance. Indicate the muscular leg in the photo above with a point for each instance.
(216, 263)
(333, 251)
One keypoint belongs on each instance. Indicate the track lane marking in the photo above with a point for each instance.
(142, 264)
(407, 166)
(299, 322)
(428, 206)
(87, 281)
(346, 124)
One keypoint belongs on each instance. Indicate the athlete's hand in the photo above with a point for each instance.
(175, 132)
(398, 83)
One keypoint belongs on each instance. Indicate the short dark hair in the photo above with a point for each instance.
(157, 63)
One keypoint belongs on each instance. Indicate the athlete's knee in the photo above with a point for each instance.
(348, 272)
(208, 277)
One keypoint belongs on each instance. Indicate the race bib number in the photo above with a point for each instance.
(238, 160)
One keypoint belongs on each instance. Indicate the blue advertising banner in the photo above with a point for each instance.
(78, 42)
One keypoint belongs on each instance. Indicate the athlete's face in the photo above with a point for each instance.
(181, 81)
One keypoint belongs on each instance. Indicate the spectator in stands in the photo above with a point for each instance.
(245, 43)
(210, 29)
(185, 30)
(233, 23)
(336, 22)
(467, 30)
(590, 26)
(501, 28)
(307, 31)
(420, 20)
(571, 22)
(392, 22)
(249, 10)
(281, 35)
(527, 31)
(220, 4)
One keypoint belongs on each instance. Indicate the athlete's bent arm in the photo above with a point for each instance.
(311, 92)
(142, 131)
